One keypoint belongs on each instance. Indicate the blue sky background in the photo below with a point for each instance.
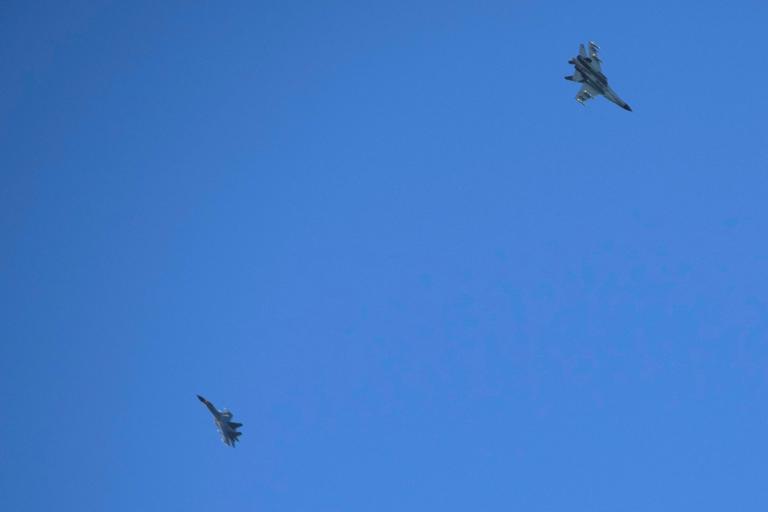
(387, 237)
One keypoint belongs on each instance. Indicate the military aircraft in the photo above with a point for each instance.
(223, 419)
(591, 77)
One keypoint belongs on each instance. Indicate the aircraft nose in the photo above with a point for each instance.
(200, 398)
(627, 107)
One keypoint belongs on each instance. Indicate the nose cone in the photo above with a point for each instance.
(201, 398)
(626, 107)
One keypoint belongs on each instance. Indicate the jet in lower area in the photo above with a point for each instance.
(223, 420)
(591, 77)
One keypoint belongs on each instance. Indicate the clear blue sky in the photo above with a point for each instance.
(387, 237)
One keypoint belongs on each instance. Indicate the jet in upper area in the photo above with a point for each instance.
(591, 77)
(223, 420)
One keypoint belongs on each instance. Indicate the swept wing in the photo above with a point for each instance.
(594, 59)
(586, 93)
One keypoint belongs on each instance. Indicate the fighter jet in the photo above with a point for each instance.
(591, 77)
(223, 420)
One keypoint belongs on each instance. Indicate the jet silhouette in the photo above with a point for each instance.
(223, 420)
(588, 72)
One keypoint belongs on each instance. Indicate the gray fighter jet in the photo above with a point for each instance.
(591, 77)
(223, 419)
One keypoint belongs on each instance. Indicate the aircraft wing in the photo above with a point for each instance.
(230, 437)
(585, 93)
(228, 431)
(594, 58)
(224, 432)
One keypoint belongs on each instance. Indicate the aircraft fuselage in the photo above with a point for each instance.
(595, 82)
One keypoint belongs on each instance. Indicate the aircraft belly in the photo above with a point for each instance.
(592, 85)
(589, 77)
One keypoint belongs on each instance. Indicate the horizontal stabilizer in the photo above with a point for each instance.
(235, 424)
(576, 76)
